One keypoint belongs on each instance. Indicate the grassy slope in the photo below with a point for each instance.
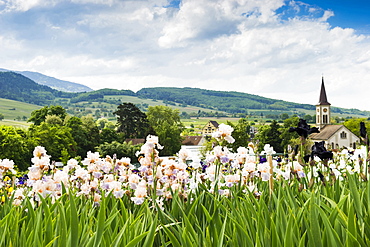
(12, 109)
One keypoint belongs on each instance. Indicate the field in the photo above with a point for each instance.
(12, 109)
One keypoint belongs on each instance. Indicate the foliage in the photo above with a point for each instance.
(232, 102)
(219, 209)
(167, 125)
(240, 133)
(18, 87)
(287, 137)
(15, 145)
(269, 134)
(1, 116)
(132, 122)
(39, 116)
(120, 150)
(55, 138)
(353, 124)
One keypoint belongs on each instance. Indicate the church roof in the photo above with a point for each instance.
(323, 100)
(326, 132)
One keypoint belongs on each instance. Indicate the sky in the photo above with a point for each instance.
(273, 48)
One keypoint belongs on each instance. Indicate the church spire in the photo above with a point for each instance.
(323, 100)
(322, 108)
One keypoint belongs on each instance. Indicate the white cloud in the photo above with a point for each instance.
(230, 45)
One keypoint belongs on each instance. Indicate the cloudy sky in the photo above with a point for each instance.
(274, 48)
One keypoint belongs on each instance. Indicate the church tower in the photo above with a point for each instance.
(322, 108)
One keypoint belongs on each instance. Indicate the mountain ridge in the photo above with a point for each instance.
(54, 83)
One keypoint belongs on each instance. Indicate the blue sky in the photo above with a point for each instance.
(347, 13)
(274, 48)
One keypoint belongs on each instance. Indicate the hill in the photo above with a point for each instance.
(191, 102)
(232, 102)
(65, 86)
(20, 88)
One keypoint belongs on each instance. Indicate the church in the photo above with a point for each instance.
(335, 136)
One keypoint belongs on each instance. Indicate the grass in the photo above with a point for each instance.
(12, 109)
(336, 215)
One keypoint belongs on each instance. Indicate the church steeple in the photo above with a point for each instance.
(322, 108)
(323, 100)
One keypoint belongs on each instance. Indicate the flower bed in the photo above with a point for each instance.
(227, 199)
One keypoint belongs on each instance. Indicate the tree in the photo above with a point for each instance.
(120, 150)
(240, 134)
(39, 116)
(168, 127)
(92, 132)
(1, 116)
(108, 135)
(288, 138)
(353, 124)
(16, 146)
(131, 121)
(270, 134)
(54, 138)
(79, 134)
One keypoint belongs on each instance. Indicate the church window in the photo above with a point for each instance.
(343, 135)
(325, 119)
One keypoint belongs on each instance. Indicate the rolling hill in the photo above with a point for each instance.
(189, 101)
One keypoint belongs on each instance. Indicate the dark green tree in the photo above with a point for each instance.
(79, 134)
(167, 126)
(92, 131)
(39, 116)
(240, 133)
(1, 116)
(270, 134)
(108, 135)
(15, 145)
(131, 121)
(287, 137)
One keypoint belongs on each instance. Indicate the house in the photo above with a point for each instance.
(193, 144)
(209, 128)
(334, 136)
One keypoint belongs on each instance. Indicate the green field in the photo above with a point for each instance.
(12, 109)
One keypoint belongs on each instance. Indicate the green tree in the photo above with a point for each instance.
(270, 134)
(240, 133)
(287, 137)
(353, 125)
(120, 150)
(131, 121)
(1, 116)
(15, 145)
(92, 132)
(53, 119)
(54, 138)
(79, 134)
(39, 116)
(108, 135)
(167, 126)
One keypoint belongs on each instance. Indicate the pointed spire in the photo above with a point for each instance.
(323, 99)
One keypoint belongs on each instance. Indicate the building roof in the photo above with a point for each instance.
(214, 123)
(326, 132)
(192, 140)
(323, 100)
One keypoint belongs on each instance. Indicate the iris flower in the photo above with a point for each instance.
(303, 129)
(362, 130)
(319, 150)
